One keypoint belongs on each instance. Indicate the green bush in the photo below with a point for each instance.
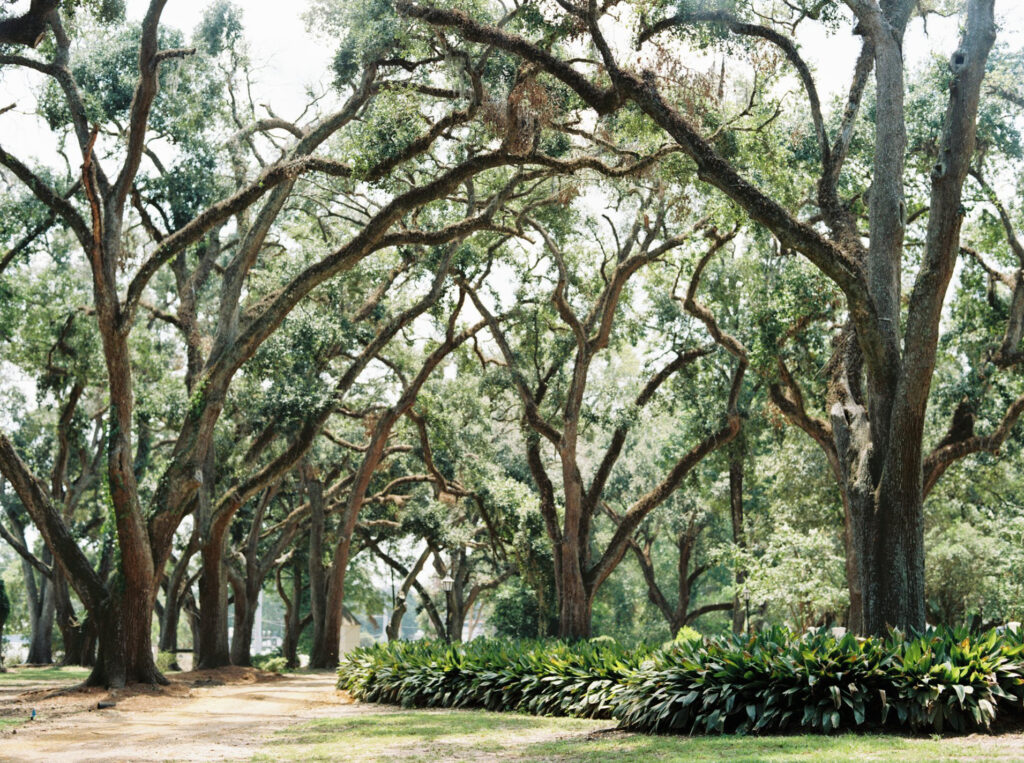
(542, 678)
(947, 680)
(686, 633)
(166, 661)
(272, 663)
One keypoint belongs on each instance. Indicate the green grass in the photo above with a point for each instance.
(429, 735)
(16, 674)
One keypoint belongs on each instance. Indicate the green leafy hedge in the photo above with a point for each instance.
(541, 678)
(947, 679)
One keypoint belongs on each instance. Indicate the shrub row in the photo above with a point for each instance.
(541, 678)
(947, 680)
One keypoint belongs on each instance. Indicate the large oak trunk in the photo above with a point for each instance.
(246, 599)
(125, 647)
(575, 604)
(214, 651)
(326, 651)
(893, 542)
(40, 650)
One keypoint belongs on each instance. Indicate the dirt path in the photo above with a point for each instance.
(189, 721)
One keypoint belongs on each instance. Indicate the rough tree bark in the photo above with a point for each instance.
(328, 656)
(123, 608)
(739, 537)
(317, 571)
(294, 622)
(877, 418)
(577, 576)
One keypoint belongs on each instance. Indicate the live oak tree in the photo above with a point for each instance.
(106, 202)
(248, 335)
(884, 366)
(451, 524)
(590, 285)
(48, 342)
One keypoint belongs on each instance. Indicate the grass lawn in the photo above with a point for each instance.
(430, 735)
(18, 674)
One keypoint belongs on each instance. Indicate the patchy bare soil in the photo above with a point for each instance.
(233, 714)
(222, 714)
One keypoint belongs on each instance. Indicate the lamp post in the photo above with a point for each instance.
(446, 585)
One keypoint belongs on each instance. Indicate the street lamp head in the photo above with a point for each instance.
(447, 583)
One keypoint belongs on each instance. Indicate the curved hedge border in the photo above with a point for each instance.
(947, 680)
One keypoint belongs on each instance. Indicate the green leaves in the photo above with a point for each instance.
(542, 678)
(947, 678)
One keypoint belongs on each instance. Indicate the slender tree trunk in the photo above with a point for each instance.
(456, 620)
(246, 598)
(79, 637)
(684, 545)
(542, 612)
(37, 591)
(292, 614)
(171, 616)
(40, 651)
(738, 535)
(87, 642)
(191, 612)
(317, 579)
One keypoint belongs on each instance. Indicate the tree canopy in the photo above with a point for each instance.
(570, 318)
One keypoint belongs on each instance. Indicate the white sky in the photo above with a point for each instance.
(285, 57)
(288, 59)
